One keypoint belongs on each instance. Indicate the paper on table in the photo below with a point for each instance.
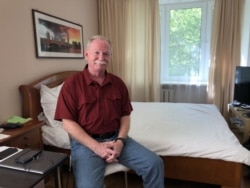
(2, 136)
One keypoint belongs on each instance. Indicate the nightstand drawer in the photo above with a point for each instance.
(28, 140)
(29, 136)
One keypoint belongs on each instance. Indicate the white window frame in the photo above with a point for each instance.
(207, 9)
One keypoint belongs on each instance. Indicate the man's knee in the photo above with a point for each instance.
(156, 161)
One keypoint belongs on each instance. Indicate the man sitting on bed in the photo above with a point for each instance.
(95, 108)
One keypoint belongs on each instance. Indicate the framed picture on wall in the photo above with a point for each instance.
(56, 37)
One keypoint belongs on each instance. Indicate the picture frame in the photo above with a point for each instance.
(56, 37)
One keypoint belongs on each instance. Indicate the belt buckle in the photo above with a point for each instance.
(107, 135)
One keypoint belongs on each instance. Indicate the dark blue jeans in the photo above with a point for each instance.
(88, 168)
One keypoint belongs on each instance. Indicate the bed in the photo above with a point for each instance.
(193, 140)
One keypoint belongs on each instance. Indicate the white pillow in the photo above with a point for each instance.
(48, 102)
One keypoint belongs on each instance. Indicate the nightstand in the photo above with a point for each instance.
(242, 131)
(29, 136)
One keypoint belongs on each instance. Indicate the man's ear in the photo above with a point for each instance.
(86, 54)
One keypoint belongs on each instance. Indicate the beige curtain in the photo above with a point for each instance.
(225, 52)
(112, 25)
(134, 29)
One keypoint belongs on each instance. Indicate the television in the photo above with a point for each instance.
(242, 85)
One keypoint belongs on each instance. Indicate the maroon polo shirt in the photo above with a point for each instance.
(97, 108)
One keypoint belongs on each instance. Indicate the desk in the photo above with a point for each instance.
(15, 178)
(240, 113)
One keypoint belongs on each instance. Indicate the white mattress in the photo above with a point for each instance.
(175, 129)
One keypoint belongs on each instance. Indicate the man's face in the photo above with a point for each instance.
(98, 55)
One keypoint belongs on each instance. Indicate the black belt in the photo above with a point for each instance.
(104, 135)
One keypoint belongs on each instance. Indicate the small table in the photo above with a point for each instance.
(240, 113)
(11, 178)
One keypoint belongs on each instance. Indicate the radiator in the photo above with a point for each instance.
(184, 93)
(168, 93)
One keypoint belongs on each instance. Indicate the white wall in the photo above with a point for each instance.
(245, 41)
(18, 63)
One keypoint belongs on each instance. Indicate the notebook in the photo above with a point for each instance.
(45, 161)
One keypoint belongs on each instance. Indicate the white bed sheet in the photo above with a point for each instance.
(175, 129)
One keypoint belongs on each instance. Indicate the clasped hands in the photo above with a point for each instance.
(110, 151)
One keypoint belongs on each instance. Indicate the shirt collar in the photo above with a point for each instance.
(89, 81)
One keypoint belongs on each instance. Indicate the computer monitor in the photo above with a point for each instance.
(242, 85)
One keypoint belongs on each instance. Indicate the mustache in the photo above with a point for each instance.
(101, 62)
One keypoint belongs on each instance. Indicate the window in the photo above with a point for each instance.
(185, 40)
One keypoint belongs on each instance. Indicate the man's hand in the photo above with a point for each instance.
(109, 151)
(117, 148)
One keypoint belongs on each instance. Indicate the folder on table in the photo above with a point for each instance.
(41, 164)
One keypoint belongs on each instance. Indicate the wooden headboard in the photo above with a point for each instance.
(31, 106)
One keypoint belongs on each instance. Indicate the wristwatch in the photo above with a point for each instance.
(122, 139)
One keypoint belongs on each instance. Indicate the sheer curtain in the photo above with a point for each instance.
(225, 52)
(134, 29)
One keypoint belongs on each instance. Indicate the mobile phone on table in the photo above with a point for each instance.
(28, 156)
